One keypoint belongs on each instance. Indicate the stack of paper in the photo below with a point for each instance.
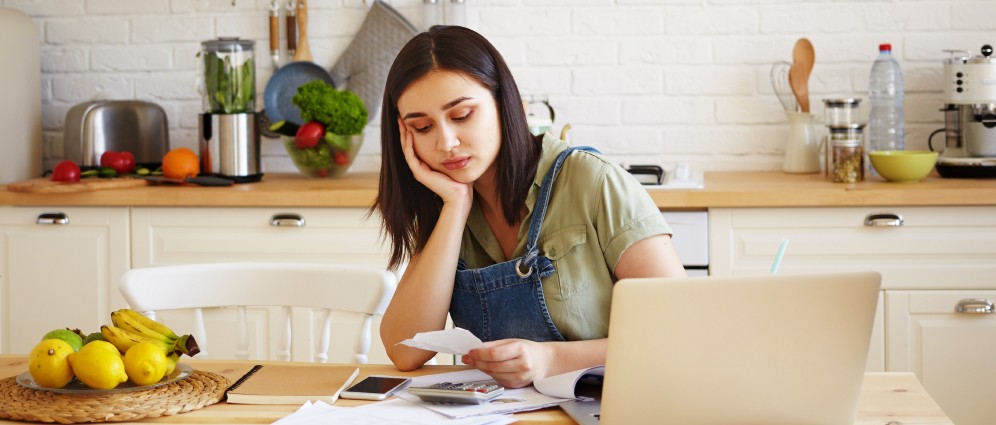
(390, 412)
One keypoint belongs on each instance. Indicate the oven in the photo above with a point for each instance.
(691, 228)
(691, 239)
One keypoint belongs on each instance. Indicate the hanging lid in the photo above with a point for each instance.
(228, 44)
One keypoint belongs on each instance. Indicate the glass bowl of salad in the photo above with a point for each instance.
(331, 157)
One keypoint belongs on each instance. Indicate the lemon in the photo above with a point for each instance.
(98, 366)
(145, 363)
(72, 338)
(49, 363)
(103, 345)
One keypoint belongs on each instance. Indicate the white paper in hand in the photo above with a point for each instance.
(450, 341)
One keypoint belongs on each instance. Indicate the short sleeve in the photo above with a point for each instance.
(625, 215)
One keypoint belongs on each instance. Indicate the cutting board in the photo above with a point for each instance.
(44, 185)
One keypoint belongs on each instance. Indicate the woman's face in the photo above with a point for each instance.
(454, 122)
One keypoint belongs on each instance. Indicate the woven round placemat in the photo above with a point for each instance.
(200, 389)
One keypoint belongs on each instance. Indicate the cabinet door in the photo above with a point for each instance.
(953, 354)
(58, 275)
(164, 236)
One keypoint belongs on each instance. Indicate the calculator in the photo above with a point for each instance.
(461, 392)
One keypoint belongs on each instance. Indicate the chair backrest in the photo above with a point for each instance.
(365, 291)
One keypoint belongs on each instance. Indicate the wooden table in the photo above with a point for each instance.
(886, 398)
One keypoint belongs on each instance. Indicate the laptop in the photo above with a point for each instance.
(771, 349)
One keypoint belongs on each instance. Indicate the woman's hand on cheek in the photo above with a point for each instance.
(514, 363)
(441, 184)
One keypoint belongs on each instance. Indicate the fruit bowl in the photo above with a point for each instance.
(903, 166)
(331, 157)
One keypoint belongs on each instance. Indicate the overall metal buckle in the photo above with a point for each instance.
(518, 269)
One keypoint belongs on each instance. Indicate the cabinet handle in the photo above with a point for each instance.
(883, 220)
(53, 218)
(974, 306)
(287, 220)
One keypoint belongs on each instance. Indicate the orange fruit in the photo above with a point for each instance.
(181, 163)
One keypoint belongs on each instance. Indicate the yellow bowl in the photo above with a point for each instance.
(903, 166)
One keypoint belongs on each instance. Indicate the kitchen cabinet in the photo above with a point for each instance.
(930, 258)
(58, 268)
(948, 339)
(162, 236)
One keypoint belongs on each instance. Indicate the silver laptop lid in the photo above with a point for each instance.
(786, 349)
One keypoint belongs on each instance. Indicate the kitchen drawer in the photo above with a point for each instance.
(934, 248)
(162, 236)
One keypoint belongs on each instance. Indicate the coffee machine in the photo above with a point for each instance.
(229, 136)
(969, 148)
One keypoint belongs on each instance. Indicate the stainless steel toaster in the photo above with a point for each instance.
(136, 126)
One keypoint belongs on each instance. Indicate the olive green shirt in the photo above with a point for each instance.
(596, 211)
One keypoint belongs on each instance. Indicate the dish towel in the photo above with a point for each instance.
(363, 67)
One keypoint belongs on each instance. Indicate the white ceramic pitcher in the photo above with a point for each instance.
(802, 151)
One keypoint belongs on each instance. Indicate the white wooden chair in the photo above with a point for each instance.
(353, 289)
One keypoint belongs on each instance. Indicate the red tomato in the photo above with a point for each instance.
(66, 171)
(340, 157)
(129, 160)
(309, 134)
(121, 162)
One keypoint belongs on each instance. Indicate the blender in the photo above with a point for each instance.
(229, 140)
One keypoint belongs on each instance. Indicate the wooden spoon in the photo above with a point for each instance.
(803, 58)
(303, 52)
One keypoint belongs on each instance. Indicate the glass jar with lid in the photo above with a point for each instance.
(841, 112)
(846, 161)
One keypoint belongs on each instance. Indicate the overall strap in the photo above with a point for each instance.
(539, 210)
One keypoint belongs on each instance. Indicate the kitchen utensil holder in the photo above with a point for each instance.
(802, 151)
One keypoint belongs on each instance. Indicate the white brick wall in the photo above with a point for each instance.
(643, 80)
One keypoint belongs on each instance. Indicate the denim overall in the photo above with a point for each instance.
(505, 300)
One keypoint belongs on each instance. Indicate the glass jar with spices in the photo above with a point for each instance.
(846, 161)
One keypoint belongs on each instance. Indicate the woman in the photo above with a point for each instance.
(514, 236)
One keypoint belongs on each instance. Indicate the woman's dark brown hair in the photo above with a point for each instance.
(409, 209)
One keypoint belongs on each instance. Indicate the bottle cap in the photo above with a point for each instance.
(885, 47)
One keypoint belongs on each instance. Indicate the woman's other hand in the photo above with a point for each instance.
(441, 184)
(514, 363)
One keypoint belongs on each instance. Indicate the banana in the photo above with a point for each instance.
(149, 323)
(123, 340)
(171, 362)
(128, 323)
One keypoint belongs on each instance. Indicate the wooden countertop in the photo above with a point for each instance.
(885, 398)
(728, 189)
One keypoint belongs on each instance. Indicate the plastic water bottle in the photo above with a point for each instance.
(885, 90)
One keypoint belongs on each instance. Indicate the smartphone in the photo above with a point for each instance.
(375, 387)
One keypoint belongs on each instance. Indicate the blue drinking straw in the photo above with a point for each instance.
(779, 255)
